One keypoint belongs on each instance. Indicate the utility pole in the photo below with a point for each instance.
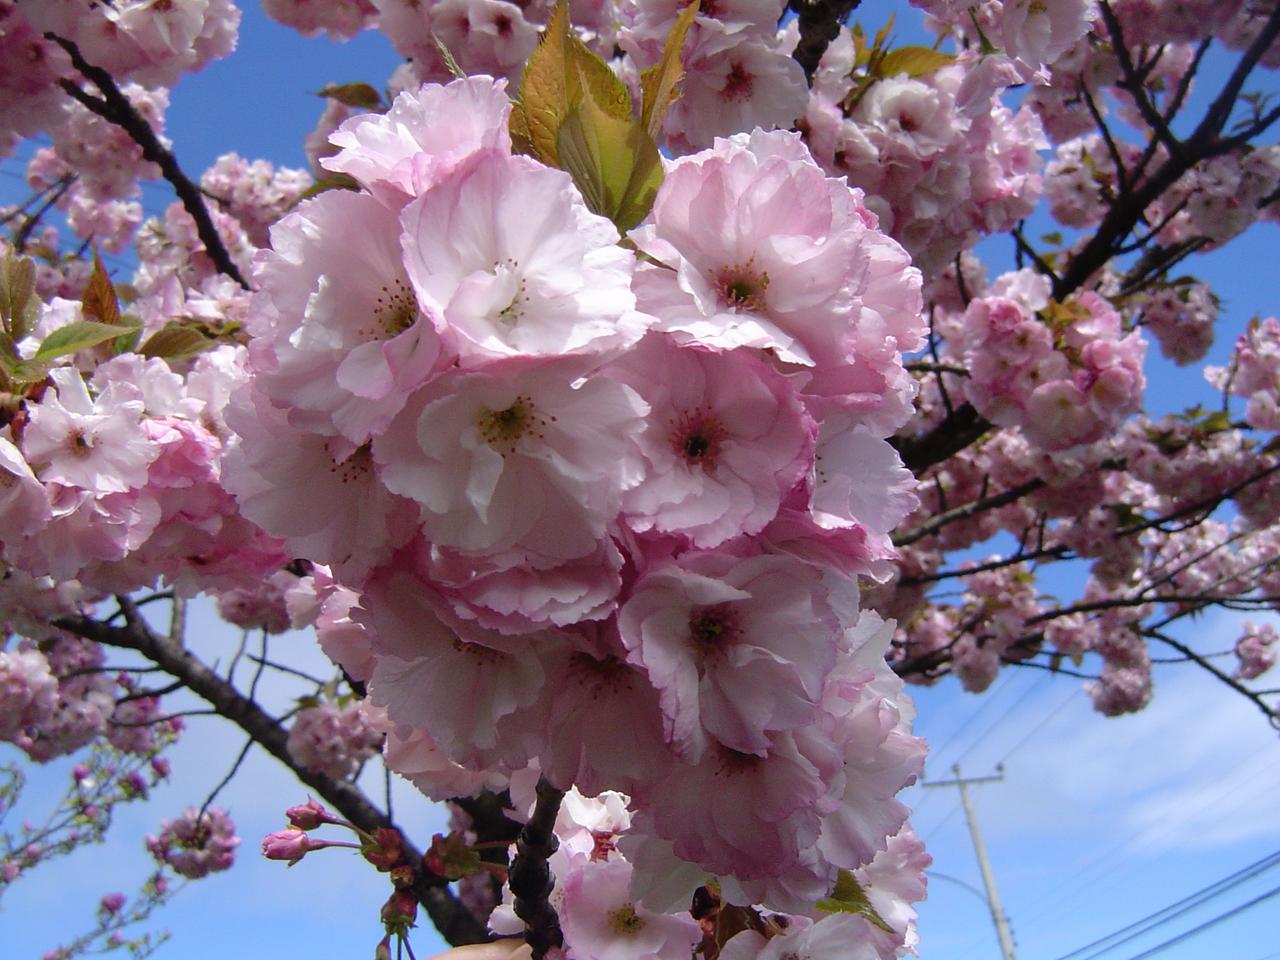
(988, 876)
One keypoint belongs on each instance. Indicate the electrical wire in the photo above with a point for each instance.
(1188, 934)
(1178, 908)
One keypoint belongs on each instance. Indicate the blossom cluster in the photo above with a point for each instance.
(1067, 377)
(590, 514)
(595, 866)
(1254, 374)
(942, 160)
(196, 843)
(115, 481)
(333, 740)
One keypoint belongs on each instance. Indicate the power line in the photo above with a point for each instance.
(981, 738)
(1187, 935)
(1187, 903)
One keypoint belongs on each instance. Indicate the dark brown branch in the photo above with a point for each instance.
(1209, 503)
(143, 694)
(1230, 681)
(972, 508)
(114, 107)
(1206, 142)
(1055, 553)
(530, 878)
(944, 441)
(1025, 248)
(30, 223)
(452, 919)
(1133, 82)
(924, 367)
(819, 22)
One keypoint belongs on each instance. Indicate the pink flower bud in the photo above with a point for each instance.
(161, 767)
(80, 772)
(309, 815)
(112, 903)
(291, 845)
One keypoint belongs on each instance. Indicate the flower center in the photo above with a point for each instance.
(503, 429)
(355, 468)
(738, 84)
(79, 444)
(394, 311)
(625, 921)
(740, 288)
(510, 315)
(697, 436)
(713, 628)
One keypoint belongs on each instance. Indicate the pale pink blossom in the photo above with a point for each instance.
(528, 271)
(426, 134)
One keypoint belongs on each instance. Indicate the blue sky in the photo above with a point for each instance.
(1097, 823)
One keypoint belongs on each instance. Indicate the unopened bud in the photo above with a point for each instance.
(291, 845)
(112, 903)
(309, 815)
(400, 910)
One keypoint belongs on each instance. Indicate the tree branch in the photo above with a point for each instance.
(820, 22)
(948, 438)
(967, 510)
(114, 107)
(452, 919)
(530, 878)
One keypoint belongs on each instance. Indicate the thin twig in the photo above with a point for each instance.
(114, 107)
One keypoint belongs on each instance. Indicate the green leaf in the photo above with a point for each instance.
(77, 336)
(447, 56)
(615, 163)
(362, 95)
(18, 371)
(661, 81)
(334, 181)
(1216, 422)
(849, 897)
(176, 340)
(19, 307)
(913, 61)
(548, 87)
(882, 35)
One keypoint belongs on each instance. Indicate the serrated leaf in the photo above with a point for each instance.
(614, 163)
(849, 897)
(518, 126)
(882, 35)
(99, 300)
(19, 307)
(176, 341)
(447, 56)
(78, 336)
(548, 87)
(597, 81)
(334, 181)
(913, 61)
(18, 371)
(1216, 422)
(128, 343)
(362, 95)
(661, 81)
